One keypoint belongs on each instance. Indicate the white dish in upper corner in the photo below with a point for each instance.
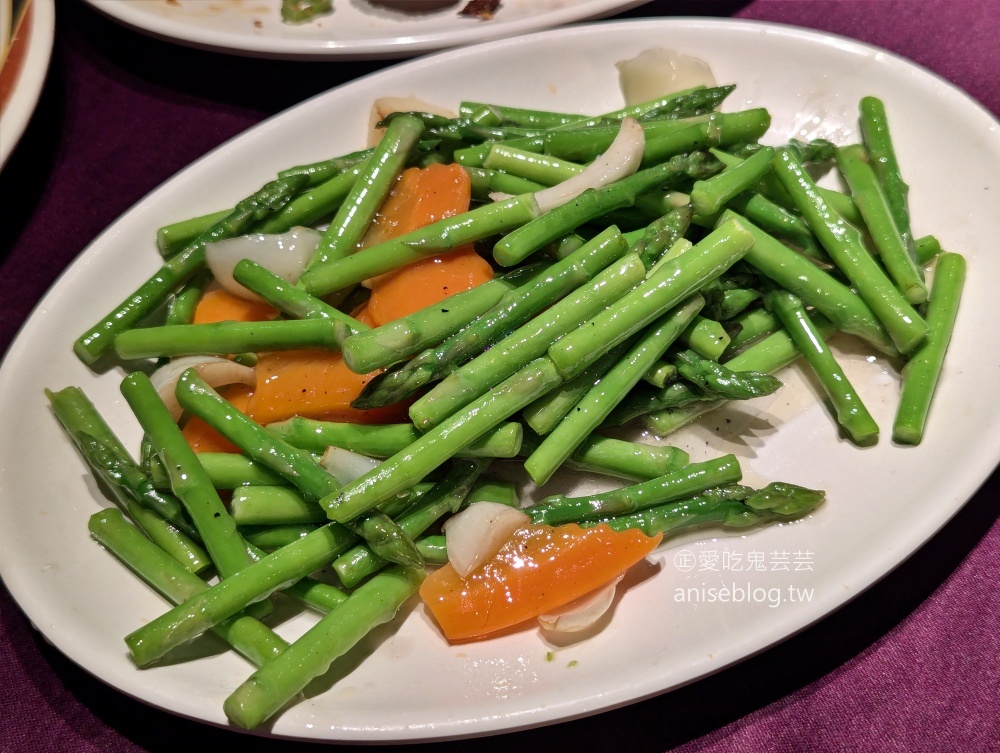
(25, 68)
(667, 630)
(357, 29)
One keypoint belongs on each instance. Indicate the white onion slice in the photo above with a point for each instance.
(656, 72)
(383, 107)
(620, 160)
(216, 371)
(581, 613)
(345, 466)
(478, 532)
(285, 254)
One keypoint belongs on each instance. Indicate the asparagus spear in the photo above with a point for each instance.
(188, 479)
(291, 299)
(381, 441)
(661, 234)
(399, 339)
(283, 505)
(485, 183)
(110, 469)
(270, 537)
(544, 414)
(926, 248)
(660, 374)
(439, 237)
(246, 634)
(367, 194)
(843, 243)
(230, 596)
(277, 682)
(293, 464)
(559, 509)
(447, 496)
(525, 344)
(633, 461)
(723, 381)
(921, 372)
(732, 507)
(519, 116)
(719, 129)
(875, 128)
(899, 260)
(173, 237)
(592, 203)
(98, 340)
(513, 310)
(184, 303)
(312, 205)
(585, 142)
(316, 173)
(750, 326)
(707, 337)
(442, 442)
(708, 196)
(767, 356)
(670, 284)
(223, 338)
(851, 412)
(816, 288)
(226, 470)
(110, 460)
(601, 399)
(541, 168)
(273, 505)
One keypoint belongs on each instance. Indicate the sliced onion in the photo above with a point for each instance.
(657, 72)
(581, 613)
(478, 532)
(383, 107)
(345, 466)
(620, 160)
(285, 254)
(214, 370)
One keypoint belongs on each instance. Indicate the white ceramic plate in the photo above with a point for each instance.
(883, 501)
(356, 28)
(38, 31)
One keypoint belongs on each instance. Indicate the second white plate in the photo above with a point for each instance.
(356, 28)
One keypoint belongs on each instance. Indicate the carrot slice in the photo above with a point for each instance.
(422, 196)
(221, 306)
(314, 384)
(202, 437)
(318, 384)
(538, 569)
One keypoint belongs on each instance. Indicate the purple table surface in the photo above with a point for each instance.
(910, 665)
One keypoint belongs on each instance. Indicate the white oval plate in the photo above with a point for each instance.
(25, 91)
(406, 682)
(356, 29)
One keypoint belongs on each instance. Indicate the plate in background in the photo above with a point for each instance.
(23, 73)
(356, 29)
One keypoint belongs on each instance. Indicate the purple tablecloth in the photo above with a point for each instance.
(912, 664)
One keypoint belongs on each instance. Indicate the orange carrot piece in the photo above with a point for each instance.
(538, 570)
(422, 196)
(317, 384)
(220, 305)
(202, 437)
